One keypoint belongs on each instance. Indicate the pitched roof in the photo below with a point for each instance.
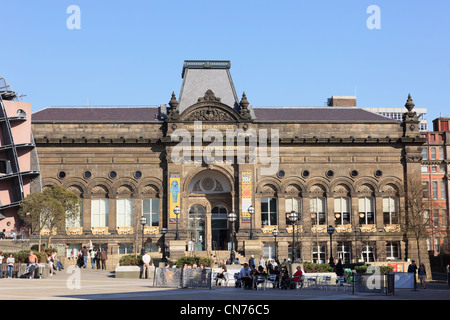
(97, 114)
(317, 114)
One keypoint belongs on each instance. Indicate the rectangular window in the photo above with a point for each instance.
(318, 211)
(435, 189)
(368, 252)
(436, 218)
(441, 153)
(344, 251)
(426, 190)
(269, 212)
(124, 210)
(99, 212)
(150, 210)
(424, 153)
(393, 250)
(433, 153)
(390, 210)
(424, 168)
(442, 189)
(366, 210)
(293, 204)
(444, 218)
(75, 221)
(125, 248)
(341, 211)
(319, 252)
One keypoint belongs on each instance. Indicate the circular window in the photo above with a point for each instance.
(87, 174)
(330, 173)
(61, 175)
(281, 174)
(138, 174)
(378, 173)
(305, 174)
(112, 174)
(354, 173)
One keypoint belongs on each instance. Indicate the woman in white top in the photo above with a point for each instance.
(10, 262)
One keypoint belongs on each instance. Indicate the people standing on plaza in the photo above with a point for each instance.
(261, 262)
(422, 275)
(32, 261)
(85, 256)
(98, 258)
(251, 261)
(72, 255)
(412, 269)
(339, 269)
(80, 261)
(146, 265)
(50, 264)
(104, 257)
(1, 263)
(92, 256)
(10, 262)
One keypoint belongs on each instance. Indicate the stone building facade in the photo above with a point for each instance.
(339, 166)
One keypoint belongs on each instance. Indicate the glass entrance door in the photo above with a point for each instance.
(197, 215)
(219, 228)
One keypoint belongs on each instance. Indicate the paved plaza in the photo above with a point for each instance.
(90, 284)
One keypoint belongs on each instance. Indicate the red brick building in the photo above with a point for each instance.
(435, 177)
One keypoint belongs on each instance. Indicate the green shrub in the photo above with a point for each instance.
(310, 267)
(190, 261)
(131, 260)
(383, 269)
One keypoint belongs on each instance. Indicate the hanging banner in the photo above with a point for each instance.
(175, 195)
(246, 195)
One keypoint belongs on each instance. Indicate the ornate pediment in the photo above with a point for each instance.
(209, 108)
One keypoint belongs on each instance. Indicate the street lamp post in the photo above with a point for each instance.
(232, 217)
(251, 210)
(143, 223)
(177, 211)
(275, 234)
(330, 231)
(293, 217)
(164, 231)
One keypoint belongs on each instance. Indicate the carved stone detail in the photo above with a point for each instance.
(209, 114)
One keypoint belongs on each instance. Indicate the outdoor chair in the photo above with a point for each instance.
(309, 281)
(273, 280)
(259, 279)
(325, 282)
(223, 281)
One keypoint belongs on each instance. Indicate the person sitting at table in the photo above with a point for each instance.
(259, 272)
(285, 279)
(245, 277)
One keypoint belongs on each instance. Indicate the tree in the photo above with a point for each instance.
(416, 221)
(49, 209)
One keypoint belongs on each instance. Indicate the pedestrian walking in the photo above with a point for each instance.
(50, 264)
(421, 272)
(104, 257)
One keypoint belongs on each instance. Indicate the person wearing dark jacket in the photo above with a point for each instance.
(104, 257)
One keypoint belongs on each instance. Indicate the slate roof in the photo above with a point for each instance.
(140, 114)
(317, 114)
(144, 114)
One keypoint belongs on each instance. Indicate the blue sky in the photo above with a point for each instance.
(282, 53)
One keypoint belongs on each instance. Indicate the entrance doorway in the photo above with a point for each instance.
(219, 228)
(197, 215)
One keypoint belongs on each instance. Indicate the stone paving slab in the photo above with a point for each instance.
(87, 284)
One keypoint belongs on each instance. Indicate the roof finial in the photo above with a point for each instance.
(409, 103)
(173, 103)
(244, 102)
